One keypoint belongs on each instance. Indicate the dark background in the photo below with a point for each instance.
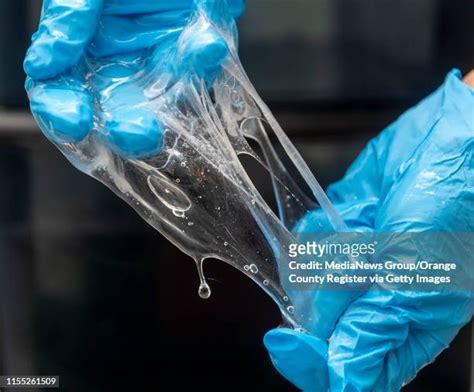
(91, 293)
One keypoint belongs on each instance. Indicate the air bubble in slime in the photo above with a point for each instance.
(191, 186)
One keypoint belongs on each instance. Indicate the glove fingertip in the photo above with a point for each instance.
(38, 63)
(63, 115)
(299, 357)
(236, 7)
(65, 30)
(206, 52)
(135, 133)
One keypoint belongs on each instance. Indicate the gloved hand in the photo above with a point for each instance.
(416, 176)
(114, 38)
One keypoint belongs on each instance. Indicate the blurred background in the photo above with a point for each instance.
(91, 293)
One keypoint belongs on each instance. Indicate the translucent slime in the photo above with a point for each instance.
(193, 189)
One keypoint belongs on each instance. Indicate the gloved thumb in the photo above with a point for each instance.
(299, 357)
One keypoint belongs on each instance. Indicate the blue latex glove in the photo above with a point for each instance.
(417, 175)
(121, 35)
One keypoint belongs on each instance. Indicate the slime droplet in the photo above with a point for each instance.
(204, 290)
(290, 309)
(265, 282)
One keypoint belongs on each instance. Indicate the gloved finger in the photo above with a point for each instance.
(62, 108)
(124, 121)
(134, 132)
(299, 357)
(381, 325)
(123, 29)
(200, 48)
(203, 46)
(65, 29)
(129, 33)
(203, 50)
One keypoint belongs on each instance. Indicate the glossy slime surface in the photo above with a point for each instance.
(184, 177)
